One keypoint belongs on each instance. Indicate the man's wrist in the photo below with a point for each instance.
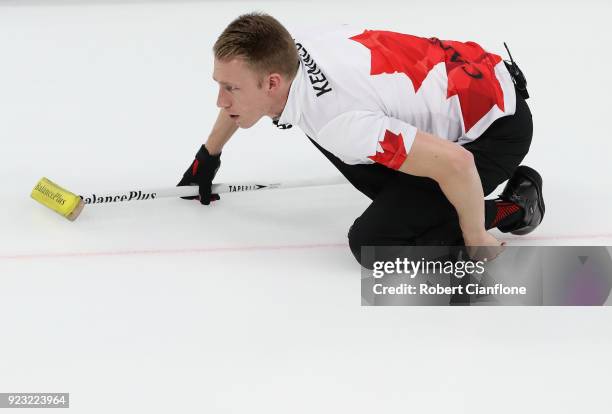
(212, 149)
(473, 231)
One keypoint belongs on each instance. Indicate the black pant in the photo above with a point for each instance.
(407, 210)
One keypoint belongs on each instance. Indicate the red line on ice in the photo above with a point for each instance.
(564, 237)
(249, 248)
(168, 251)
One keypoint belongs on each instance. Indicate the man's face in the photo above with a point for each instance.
(243, 94)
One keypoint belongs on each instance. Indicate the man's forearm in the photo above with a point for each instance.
(222, 131)
(464, 190)
(453, 168)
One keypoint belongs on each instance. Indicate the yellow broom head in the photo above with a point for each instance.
(58, 199)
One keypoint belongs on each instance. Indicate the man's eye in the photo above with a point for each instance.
(230, 88)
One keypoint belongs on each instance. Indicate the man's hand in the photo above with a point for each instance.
(482, 245)
(201, 172)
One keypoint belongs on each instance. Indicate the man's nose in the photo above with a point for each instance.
(222, 100)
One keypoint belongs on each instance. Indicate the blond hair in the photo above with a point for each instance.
(262, 41)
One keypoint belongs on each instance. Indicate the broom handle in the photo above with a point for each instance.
(189, 191)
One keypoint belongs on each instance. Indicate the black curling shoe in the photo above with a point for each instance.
(525, 189)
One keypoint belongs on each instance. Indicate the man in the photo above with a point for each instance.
(423, 127)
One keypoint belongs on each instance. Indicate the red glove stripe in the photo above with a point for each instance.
(195, 167)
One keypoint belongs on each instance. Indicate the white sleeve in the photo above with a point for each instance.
(364, 137)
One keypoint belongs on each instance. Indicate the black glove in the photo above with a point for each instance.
(201, 172)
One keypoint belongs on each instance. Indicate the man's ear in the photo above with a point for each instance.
(273, 82)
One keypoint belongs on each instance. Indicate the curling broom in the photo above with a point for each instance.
(70, 205)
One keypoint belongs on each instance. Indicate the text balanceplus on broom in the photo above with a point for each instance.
(424, 127)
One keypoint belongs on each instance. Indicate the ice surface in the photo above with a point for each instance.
(252, 304)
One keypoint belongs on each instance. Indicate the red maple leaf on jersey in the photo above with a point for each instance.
(394, 151)
(470, 69)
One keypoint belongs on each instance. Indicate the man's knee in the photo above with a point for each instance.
(360, 235)
(356, 239)
(378, 249)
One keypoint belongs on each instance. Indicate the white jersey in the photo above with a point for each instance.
(363, 94)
